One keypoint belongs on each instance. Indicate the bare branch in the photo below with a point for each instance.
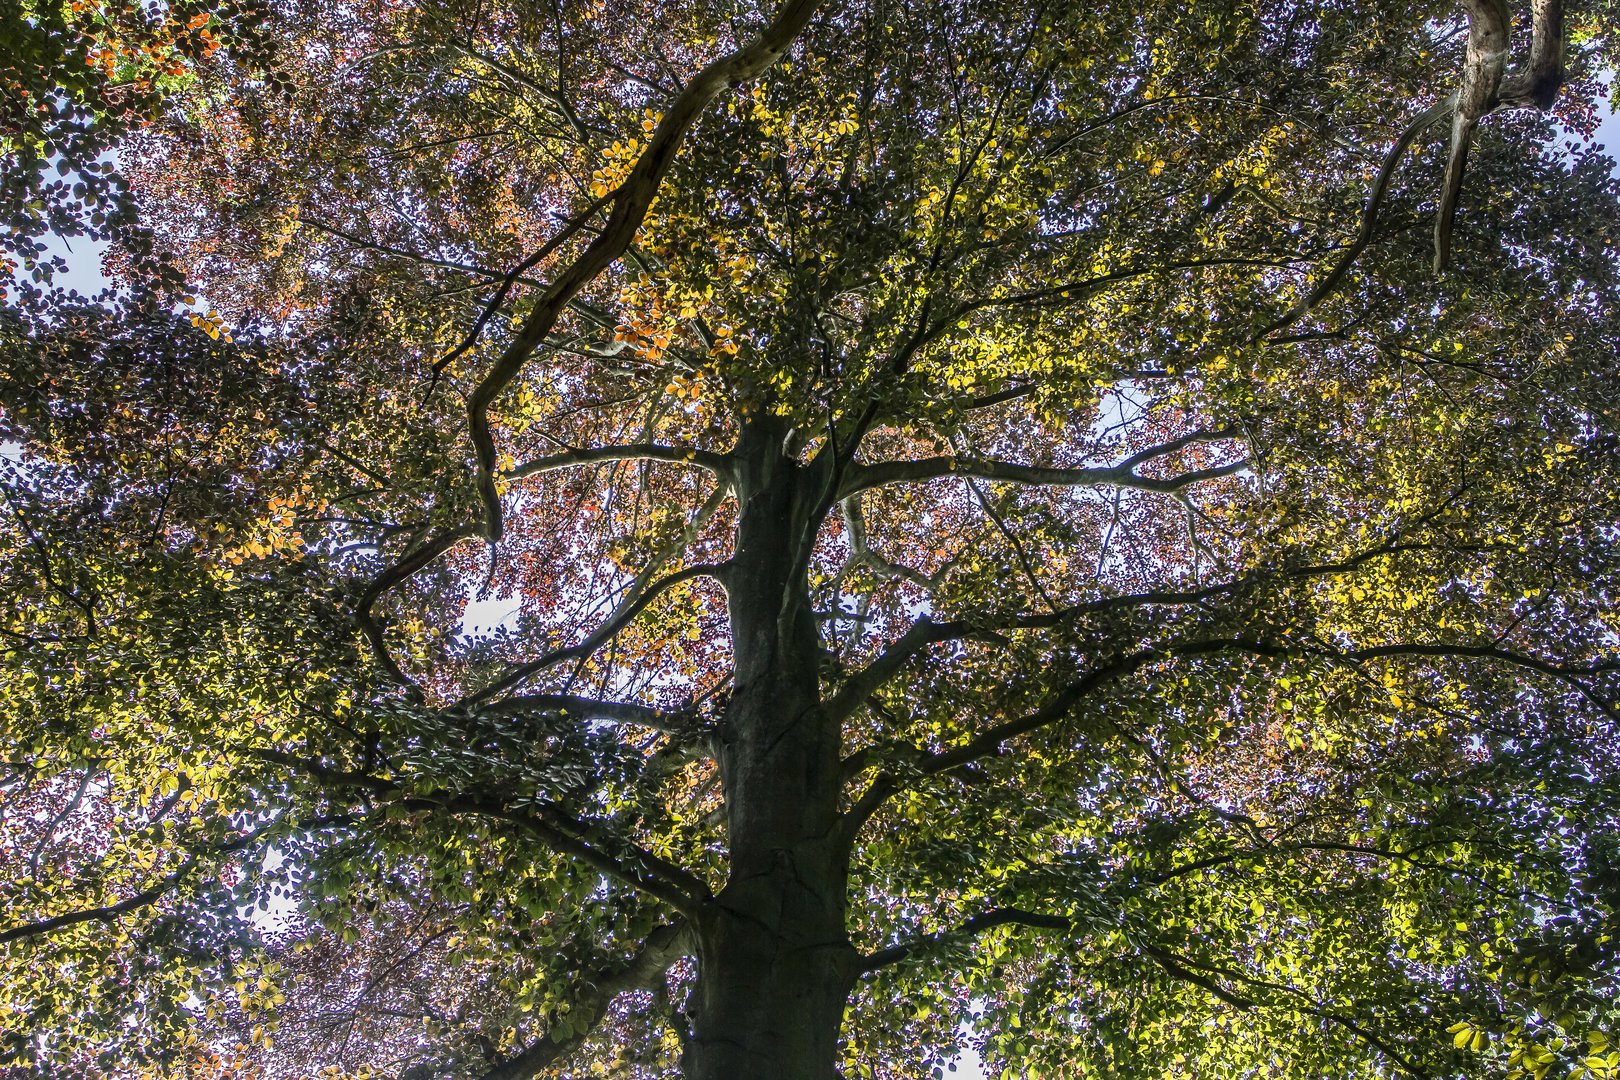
(401, 253)
(862, 553)
(67, 810)
(1483, 63)
(564, 107)
(1012, 541)
(1170, 446)
(1483, 91)
(1543, 77)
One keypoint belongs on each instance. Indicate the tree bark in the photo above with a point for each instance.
(775, 965)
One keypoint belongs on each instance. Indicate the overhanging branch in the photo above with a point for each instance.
(1369, 219)
(926, 631)
(1483, 91)
(548, 822)
(412, 562)
(990, 741)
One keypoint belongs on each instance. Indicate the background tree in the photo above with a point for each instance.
(1004, 526)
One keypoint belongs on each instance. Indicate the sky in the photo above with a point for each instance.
(84, 275)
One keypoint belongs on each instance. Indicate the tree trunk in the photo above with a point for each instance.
(769, 1003)
(775, 965)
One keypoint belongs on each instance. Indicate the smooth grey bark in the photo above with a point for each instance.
(775, 965)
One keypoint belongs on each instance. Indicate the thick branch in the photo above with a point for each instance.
(1011, 393)
(107, 914)
(512, 277)
(863, 477)
(1070, 292)
(922, 633)
(862, 554)
(1369, 218)
(662, 948)
(990, 741)
(1543, 77)
(401, 571)
(623, 712)
(926, 631)
(680, 455)
(630, 204)
(1483, 91)
(1483, 63)
(548, 822)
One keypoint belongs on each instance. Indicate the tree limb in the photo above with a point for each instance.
(623, 712)
(921, 634)
(111, 912)
(978, 924)
(633, 604)
(402, 570)
(863, 477)
(927, 631)
(107, 914)
(990, 741)
(718, 464)
(662, 948)
(1483, 63)
(1182, 967)
(1484, 91)
(512, 277)
(549, 823)
(630, 204)
(1369, 219)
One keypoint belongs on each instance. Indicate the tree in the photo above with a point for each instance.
(1092, 525)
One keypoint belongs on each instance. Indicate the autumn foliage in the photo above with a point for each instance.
(648, 539)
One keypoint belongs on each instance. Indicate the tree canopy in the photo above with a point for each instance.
(1086, 531)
